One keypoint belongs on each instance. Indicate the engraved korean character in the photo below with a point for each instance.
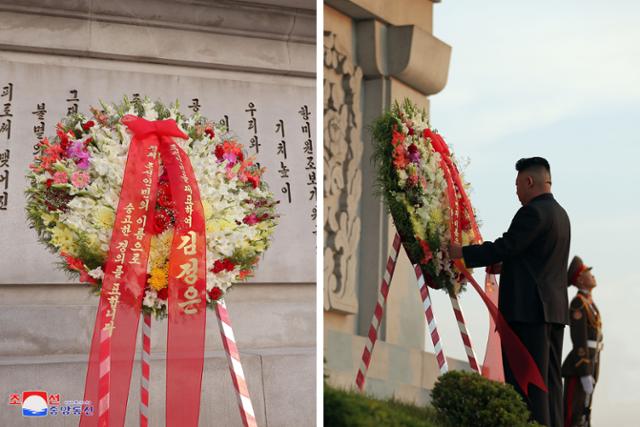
(280, 127)
(7, 91)
(282, 149)
(306, 128)
(40, 111)
(286, 189)
(251, 109)
(312, 178)
(284, 170)
(4, 159)
(224, 121)
(6, 110)
(5, 127)
(311, 163)
(308, 147)
(304, 112)
(195, 105)
(4, 177)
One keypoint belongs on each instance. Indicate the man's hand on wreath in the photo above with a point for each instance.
(455, 251)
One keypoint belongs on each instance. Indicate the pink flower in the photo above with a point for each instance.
(80, 179)
(78, 152)
(60, 178)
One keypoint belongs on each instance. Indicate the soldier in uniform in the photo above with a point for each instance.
(580, 368)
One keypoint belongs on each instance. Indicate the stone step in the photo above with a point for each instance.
(276, 379)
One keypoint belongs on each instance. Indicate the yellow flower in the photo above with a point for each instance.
(48, 218)
(63, 238)
(159, 278)
(436, 216)
(219, 224)
(105, 217)
(207, 209)
(160, 246)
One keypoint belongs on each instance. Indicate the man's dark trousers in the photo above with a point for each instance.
(544, 342)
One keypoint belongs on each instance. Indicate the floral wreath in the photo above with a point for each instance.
(424, 192)
(75, 183)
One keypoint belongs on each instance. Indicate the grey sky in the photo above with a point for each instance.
(559, 80)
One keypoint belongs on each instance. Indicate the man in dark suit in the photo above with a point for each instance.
(534, 253)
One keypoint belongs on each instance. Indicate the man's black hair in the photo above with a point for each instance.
(532, 162)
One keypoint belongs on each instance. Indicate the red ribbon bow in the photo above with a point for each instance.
(123, 285)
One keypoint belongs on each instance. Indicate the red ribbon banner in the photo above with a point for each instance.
(520, 361)
(114, 336)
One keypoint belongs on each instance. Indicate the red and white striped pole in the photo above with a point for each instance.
(431, 321)
(144, 378)
(104, 382)
(372, 336)
(466, 339)
(235, 367)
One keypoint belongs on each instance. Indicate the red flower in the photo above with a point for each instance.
(400, 157)
(88, 125)
(426, 250)
(85, 278)
(411, 132)
(396, 138)
(49, 182)
(229, 265)
(254, 180)
(219, 152)
(215, 293)
(164, 198)
(245, 273)
(73, 263)
(64, 138)
(163, 293)
(221, 265)
(161, 221)
(251, 219)
(209, 131)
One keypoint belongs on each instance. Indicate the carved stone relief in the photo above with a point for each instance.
(342, 177)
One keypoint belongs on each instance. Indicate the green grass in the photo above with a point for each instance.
(351, 409)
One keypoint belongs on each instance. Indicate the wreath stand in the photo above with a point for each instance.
(423, 288)
(233, 358)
